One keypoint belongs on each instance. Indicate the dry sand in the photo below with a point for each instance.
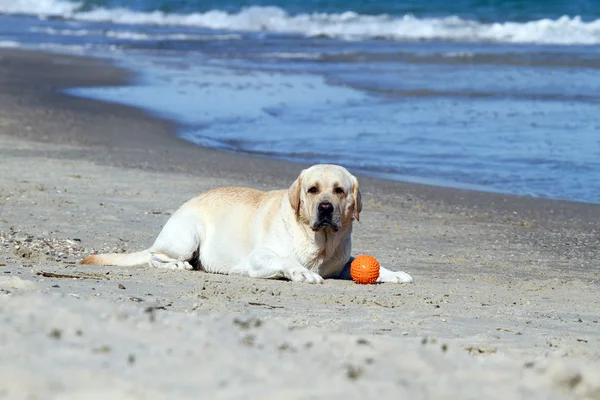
(505, 302)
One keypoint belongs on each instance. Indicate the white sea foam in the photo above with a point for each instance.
(68, 48)
(348, 25)
(293, 56)
(65, 32)
(460, 54)
(9, 44)
(132, 35)
(38, 7)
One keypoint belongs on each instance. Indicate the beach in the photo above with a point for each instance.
(504, 305)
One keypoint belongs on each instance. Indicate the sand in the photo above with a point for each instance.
(505, 301)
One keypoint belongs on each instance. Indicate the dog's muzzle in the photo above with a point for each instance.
(325, 217)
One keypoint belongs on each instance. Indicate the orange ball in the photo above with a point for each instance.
(364, 269)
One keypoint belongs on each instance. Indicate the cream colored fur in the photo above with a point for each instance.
(276, 234)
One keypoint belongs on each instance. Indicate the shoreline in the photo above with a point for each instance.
(137, 95)
(161, 136)
(505, 300)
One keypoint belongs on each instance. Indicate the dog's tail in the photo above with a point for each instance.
(118, 259)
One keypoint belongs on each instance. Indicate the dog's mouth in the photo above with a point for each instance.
(325, 223)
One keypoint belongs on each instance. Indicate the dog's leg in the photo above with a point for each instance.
(178, 242)
(266, 264)
(385, 275)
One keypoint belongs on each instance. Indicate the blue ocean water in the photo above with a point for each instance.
(495, 95)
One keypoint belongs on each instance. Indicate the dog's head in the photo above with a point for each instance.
(325, 197)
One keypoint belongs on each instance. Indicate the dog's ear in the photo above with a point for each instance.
(357, 201)
(294, 194)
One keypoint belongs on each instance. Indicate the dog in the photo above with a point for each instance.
(302, 234)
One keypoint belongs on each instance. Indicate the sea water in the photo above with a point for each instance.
(490, 95)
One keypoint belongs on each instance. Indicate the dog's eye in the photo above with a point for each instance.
(313, 190)
(338, 190)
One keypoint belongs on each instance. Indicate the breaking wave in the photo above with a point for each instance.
(347, 25)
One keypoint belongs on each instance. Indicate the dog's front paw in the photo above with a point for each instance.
(304, 275)
(385, 275)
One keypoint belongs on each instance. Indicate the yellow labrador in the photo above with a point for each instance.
(301, 234)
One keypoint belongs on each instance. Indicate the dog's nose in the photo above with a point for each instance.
(325, 208)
